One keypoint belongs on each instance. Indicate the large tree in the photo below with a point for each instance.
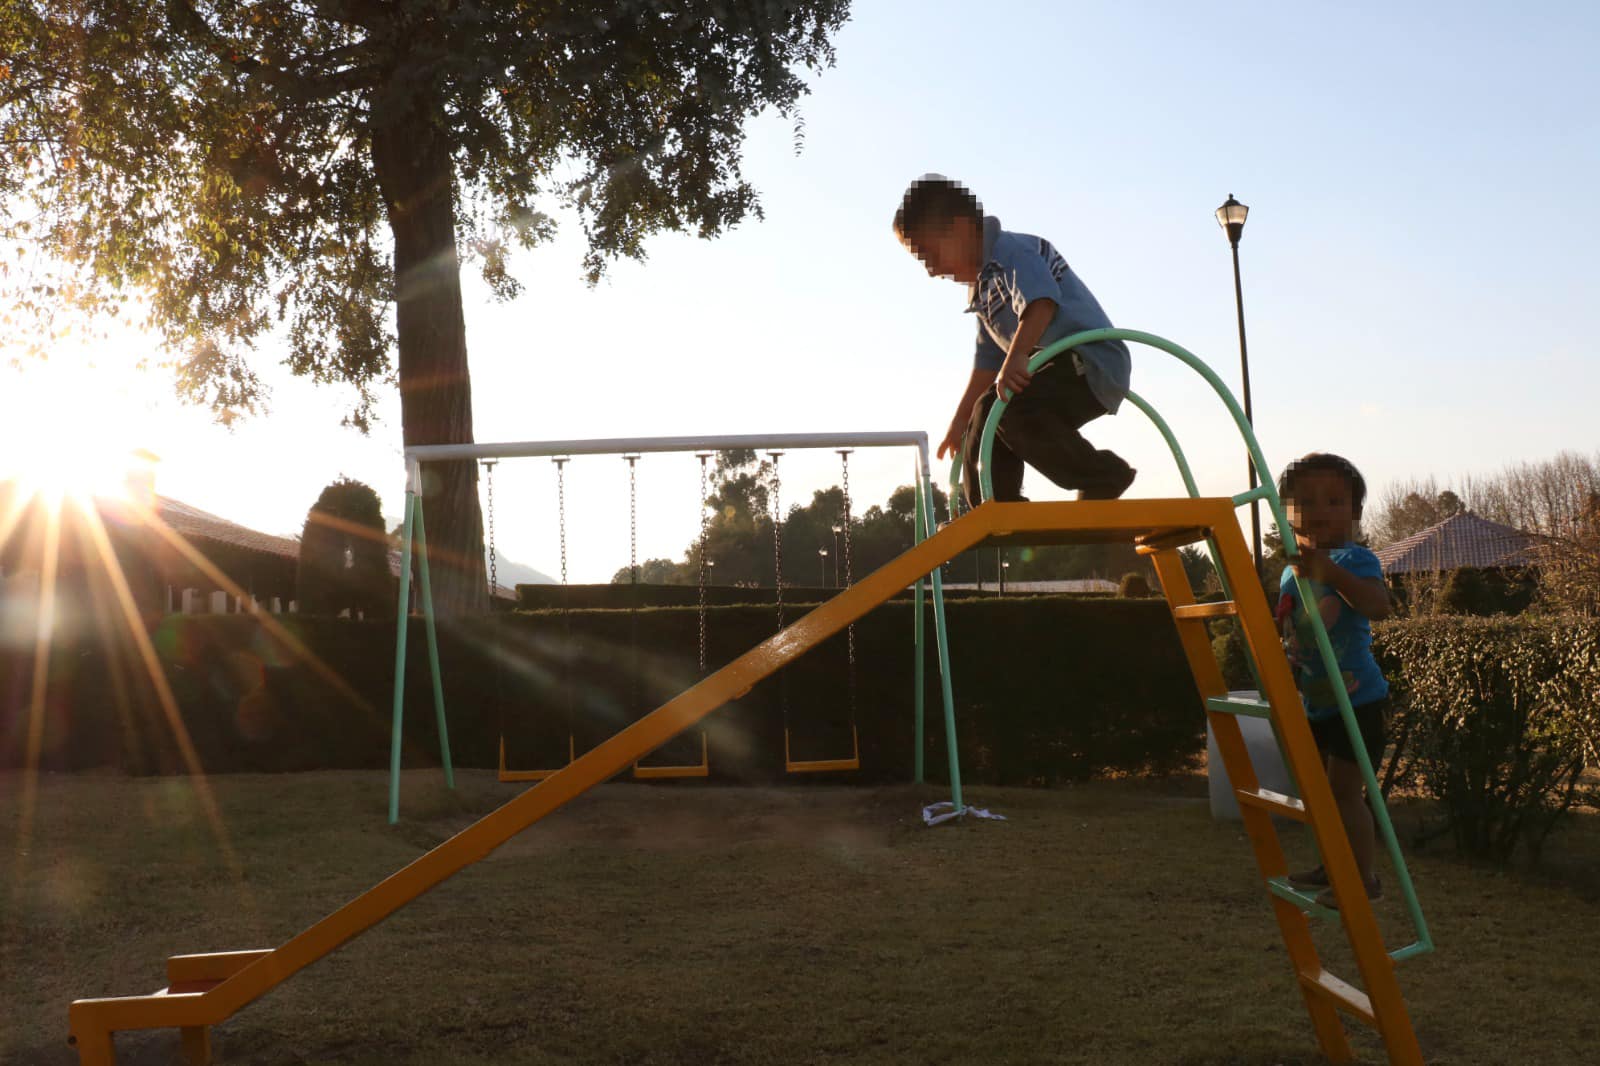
(287, 169)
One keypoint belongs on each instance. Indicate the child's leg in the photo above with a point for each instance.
(1005, 468)
(1348, 785)
(1041, 426)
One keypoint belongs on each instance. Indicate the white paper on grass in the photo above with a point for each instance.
(945, 810)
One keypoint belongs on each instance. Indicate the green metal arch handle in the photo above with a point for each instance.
(1039, 359)
(1266, 490)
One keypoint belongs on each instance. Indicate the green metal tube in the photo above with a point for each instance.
(1171, 439)
(1260, 492)
(403, 617)
(1380, 809)
(918, 636)
(433, 649)
(942, 635)
(1266, 490)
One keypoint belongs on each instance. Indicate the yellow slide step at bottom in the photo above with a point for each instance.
(1342, 994)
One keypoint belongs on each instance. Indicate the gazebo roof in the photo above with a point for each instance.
(1463, 541)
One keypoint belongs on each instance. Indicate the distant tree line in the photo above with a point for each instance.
(740, 548)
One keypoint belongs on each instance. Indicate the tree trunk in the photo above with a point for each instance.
(411, 158)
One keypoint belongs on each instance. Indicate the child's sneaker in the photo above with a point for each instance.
(1110, 491)
(1326, 898)
(1317, 878)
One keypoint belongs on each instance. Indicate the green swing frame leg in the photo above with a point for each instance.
(414, 526)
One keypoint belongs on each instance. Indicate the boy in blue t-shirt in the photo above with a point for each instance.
(1324, 494)
(1025, 297)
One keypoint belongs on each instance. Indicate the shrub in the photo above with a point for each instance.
(1497, 717)
(344, 555)
(1133, 586)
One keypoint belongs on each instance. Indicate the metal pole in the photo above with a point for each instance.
(919, 533)
(1249, 414)
(404, 615)
(942, 635)
(433, 644)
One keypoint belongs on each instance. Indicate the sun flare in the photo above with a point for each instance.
(69, 431)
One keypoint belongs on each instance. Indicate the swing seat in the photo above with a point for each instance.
(642, 772)
(533, 775)
(822, 766)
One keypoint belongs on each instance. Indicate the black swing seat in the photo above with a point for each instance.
(533, 775)
(702, 768)
(822, 766)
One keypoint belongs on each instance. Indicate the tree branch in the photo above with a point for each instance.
(302, 88)
(368, 14)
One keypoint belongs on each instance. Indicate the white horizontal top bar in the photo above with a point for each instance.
(422, 453)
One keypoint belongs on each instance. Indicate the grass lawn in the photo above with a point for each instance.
(1107, 923)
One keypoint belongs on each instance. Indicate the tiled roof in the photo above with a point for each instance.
(1460, 542)
(196, 524)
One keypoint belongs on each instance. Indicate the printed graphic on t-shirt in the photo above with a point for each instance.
(1052, 258)
(1300, 645)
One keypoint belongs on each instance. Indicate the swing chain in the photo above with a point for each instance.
(777, 531)
(849, 576)
(633, 519)
(494, 573)
(561, 510)
(705, 525)
(566, 595)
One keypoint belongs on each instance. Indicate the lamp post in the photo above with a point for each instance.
(822, 566)
(1231, 216)
(837, 529)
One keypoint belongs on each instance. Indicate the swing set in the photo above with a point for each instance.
(643, 770)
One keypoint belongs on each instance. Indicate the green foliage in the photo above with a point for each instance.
(1133, 586)
(344, 554)
(1486, 592)
(1197, 566)
(1227, 644)
(1498, 718)
(227, 160)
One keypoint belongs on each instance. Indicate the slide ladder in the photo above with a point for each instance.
(1381, 1004)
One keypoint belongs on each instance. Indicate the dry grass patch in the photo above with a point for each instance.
(671, 925)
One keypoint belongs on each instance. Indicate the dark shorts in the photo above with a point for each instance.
(1333, 739)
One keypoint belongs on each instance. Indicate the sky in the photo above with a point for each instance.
(1418, 270)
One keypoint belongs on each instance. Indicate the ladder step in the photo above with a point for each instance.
(1343, 994)
(1201, 611)
(1244, 705)
(1306, 901)
(1166, 540)
(186, 988)
(1272, 802)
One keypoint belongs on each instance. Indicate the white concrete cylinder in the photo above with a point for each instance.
(1264, 756)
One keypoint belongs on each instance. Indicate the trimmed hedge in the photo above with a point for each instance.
(1047, 689)
(622, 596)
(1496, 718)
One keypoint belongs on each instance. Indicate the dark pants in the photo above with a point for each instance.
(1040, 428)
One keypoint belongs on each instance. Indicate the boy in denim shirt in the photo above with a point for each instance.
(1026, 298)
(1324, 494)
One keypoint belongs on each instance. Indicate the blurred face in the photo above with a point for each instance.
(1322, 510)
(948, 249)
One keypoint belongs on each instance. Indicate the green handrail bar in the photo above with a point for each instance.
(924, 493)
(918, 638)
(1267, 491)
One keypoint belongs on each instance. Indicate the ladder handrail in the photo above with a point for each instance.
(1267, 491)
